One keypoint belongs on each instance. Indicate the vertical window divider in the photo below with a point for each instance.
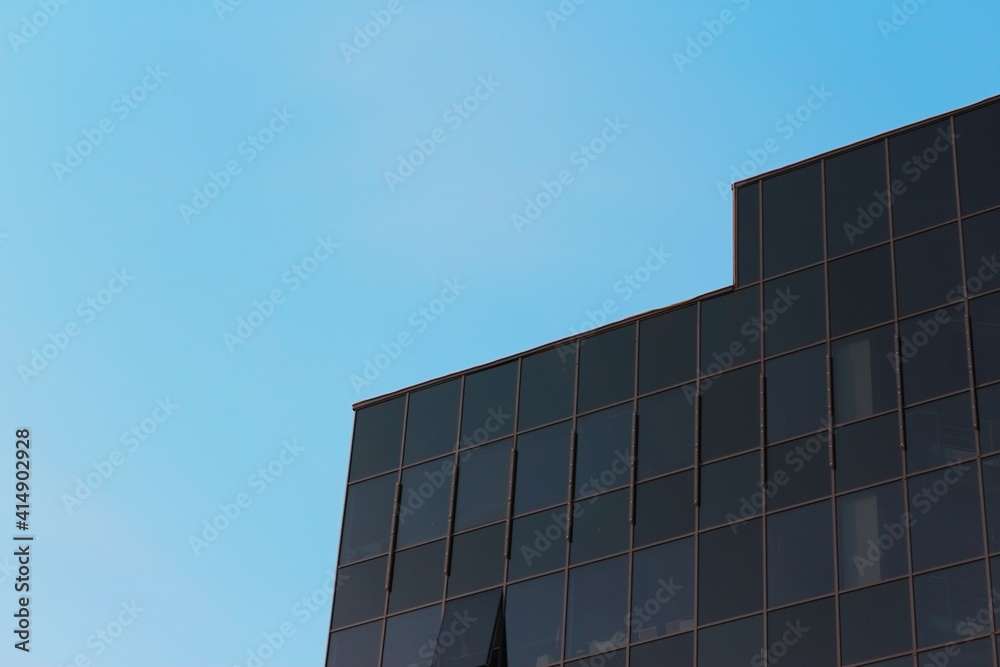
(392, 534)
(572, 474)
(632, 464)
(510, 501)
(449, 545)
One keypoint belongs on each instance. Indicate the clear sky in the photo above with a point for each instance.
(214, 214)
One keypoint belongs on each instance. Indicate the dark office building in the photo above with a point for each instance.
(799, 470)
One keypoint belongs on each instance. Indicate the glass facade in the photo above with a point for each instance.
(803, 469)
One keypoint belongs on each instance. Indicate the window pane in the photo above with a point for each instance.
(730, 567)
(794, 311)
(538, 544)
(666, 432)
(417, 577)
(988, 402)
(360, 592)
(477, 560)
(357, 647)
(730, 413)
(793, 220)
(730, 330)
(796, 393)
(731, 644)
(871, 534)
(803, 636)
(423, 508)
(542, 477)
(603, 450)
(797, 471)
(947, 525)
(861, 290)
(663, 590)
(923, 178)
(991, 490)
(799, 554)
(730, 490)
(432, 422)
(600, 526)
(971, 654)
(982, 243)
(928, 270)
(935, 359)
(534, 618)
(607, 368)
(483, 485)
(748, 234)
(978, 134)
(947, 599)
(547, 384)
(468, 631)
(672, 652)
(868, 452)
(668, 352)
(875, 622)
(864, 374)
(598, 603)
(664, 508)
(939, 432)
(488, 405)
(378, 435)
(985, 313)
(409, 638)
(368, 518)
(857, 199)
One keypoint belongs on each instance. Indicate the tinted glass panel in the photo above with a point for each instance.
(978, 134)
(793, 220)
(928, 270)
(538, 544)
(477, 560)
(864, 374)
(731, 644)
(432, 422)
(991, 490)
(947, 599)
(607, 368)
(542, 468)
(603, 450)
(985, 313)
(730, 566)
(867, 518)
(794, 311)
(982, 244)
(730, 413)
(417, 577)
(973, 654)
(378, 435)
(748, 234)
(368, 518)
(547, 385)
(668, 352)
(664, 508)
(598, 602)
(861, 290)
(939, 432)
(488, 405)
(799, 554)
(803, 636)
(483, 485)
(934, 355)
(798, 471)
(857, 199)
(923, 177)
(672, 652)
(988, 402)
(948, 524)
(875, 622)
(666, 432)
(796, 393)
(730, 490)
(534, 620)
(360, 592)
(467, 634)
(868, 452)
(357, 647)
(600, 526)
(663, 590)
(730, 330)
(423, 507)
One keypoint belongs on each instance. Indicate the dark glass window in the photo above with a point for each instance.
(731, 644)
(867, 452)
(988, 402)
(357, 647)
(934, 355)
(534, 618)
(875, 622)
(603, 450)
(864, 374)
(730, 330)
(730, 490)
(748, 233)
(982, 243)
(542, 477)
(798, 471)
(666, 432)
(871, 535)
(417, 577)
(600, 526)
(730, 567)
(947, 599)
(939, 432)
(378, 435)
(794, 311)
(483, 485)
(598, 603)
(897, 662)
(796, 393)
(423, 507)
(468, 634)
(928, 270)
(668, 353)
(538, 544)
(409, 638)
(971, 654)
(793, 220)
(432, 422)
(799, 553)
(664, 508)
(663, 590)
(477, 560)
(547, 385)
(730, 413)
(607, 368)
(991, 491)
(360, 592)
(985, 313)
(947, 524)
(368, 518)
(857, 199)
(488, 404)
(923, 178)
(861, 290)
(673, 652)
(978, 136)
(803, 636)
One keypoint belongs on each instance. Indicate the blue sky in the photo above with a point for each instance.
(200, 246)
